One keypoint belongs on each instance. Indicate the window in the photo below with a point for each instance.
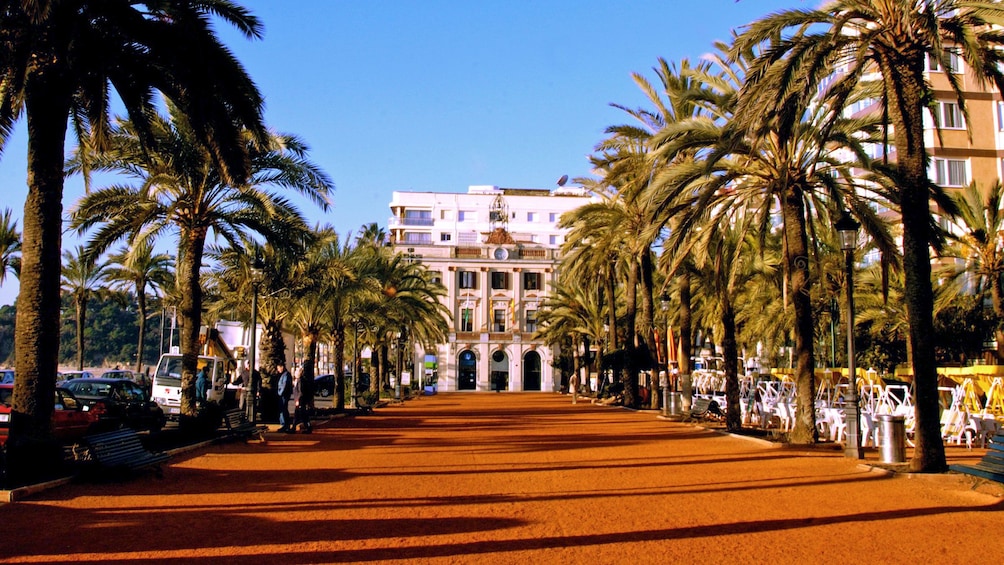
(1000, 116)
(418, 238)
(466, 320)
(435, 277)
(552, 217)
(531, 321)
(949, 172)
(468, 279)
(498, 319)
(954, 62)
(951, 115)
(554, 240)
(467, 216)
(445, 237)
(531, 281)
(500, 280)
(531, 216)
(418, 217)
(534, 238)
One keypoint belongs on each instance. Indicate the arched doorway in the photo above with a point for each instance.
(467, 371)
(531, 371)
(499, 371)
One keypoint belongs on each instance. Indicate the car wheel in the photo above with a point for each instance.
(325, 393)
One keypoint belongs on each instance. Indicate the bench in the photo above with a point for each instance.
(362, 407)
(991, 466)
(702, 408)
(121, 451)
(237, 425)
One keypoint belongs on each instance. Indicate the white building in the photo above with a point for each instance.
(496, 250)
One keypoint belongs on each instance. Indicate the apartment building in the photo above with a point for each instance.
(496, 250)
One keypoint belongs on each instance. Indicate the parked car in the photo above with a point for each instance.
(324, 385)
(70, 419)
(67, 375)
(6, 376)
(118, 402)
(139, 378)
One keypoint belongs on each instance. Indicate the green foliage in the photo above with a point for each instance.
(110, 333)
(961, 329)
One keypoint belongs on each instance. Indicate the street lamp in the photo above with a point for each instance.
(847, 228)
(664, 382)
(257, 277)
(399, 338)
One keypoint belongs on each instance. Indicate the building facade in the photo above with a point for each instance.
(496, 250)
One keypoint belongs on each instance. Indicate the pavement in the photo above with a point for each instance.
(511, 478)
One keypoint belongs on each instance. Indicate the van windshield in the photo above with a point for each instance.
(169, 372)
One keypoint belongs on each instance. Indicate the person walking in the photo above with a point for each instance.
(284, 386)
(301, 406)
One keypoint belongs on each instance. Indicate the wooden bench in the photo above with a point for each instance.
(991, 466)
(702, 408)
(362, 407)
(237, 425)
(121, 451)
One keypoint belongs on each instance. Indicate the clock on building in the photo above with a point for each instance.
(501, 253)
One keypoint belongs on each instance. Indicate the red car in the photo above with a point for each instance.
(70, 420)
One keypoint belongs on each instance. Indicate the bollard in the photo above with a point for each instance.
(893, 434)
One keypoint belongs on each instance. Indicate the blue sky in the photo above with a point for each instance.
(438, 95)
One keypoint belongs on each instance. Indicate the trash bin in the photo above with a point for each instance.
(893, 433)
(675, 400)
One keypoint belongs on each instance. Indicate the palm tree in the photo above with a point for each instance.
(60, 58)
(82, 277)
(183, 191)
(573, 314)
(137, 269)
(408, 302)
(797, 162)
(10, 246)
(845, 42)
(612, 230)
(976, 230)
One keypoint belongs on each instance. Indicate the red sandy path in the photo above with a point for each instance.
(509, 478)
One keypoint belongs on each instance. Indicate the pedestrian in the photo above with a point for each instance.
(573, 385)
(243, 382)
(284, 386)
(201, 387)
(301, 407)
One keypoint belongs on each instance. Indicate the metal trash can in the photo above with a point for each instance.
(675, 401)
(893, 433)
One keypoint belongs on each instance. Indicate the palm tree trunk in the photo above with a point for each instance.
(141, 322)
(647, 325)
(80, 302)
(190, 314)
(733, 413)
(338, 341)
(686, 344)
(906, 104)
(309, 362)
(998, 303)
(36, 340)
(797, 258)
(629, 373)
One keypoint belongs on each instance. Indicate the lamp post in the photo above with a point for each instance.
(664, 382)
(847, 228)
(257, 276)
(399, 338)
